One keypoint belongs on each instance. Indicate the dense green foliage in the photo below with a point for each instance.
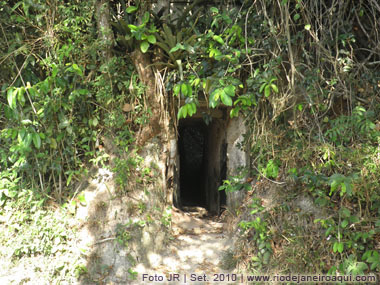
(305, 75)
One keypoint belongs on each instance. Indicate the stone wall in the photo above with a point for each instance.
(236, 157)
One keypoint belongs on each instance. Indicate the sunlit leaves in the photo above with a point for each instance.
(20, 96)
(226, 99)
(74, 68)
(177, 89)
(147, 40)
(151, 39)
(214, 98)
(145, 18)
(372, 257)
(338, 247)
(337, 181)
(12, 97)
(36, 140)
(185, 89)
(144, 46)
(214, 52)
(131, 9)
(214, 10)
(229, 90)
(243, 102)
(267, 86)
(218, 39)
(188, 109)
(274, 87)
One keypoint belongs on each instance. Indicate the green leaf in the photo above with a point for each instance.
(274, 87)
(77, 69)
(214, 10)
(82, 199)
(151, 39)
(11, 96)
(214, 98)
(36, 140)
(332, 271)
(266, 257)
(215, 53)
(186, 90)
(53, 143)
(144, 45)
(145, 18)
(343, 185)
(27, 140)
(69, 178)
(177, 47)
(296, 17)
(26, 122)
(267, 91)
(345, 212)
(196, 82)
(10, 194)
(344, 223)
(354, 219)
(234, 112)
(226, 99)
(131, 9)
(367, 255)
(358, 268)
(262, 87)
(179, 115)
(20, 95)
(192, 109)
(95, 122)
(64, 123)
(32, 91)
(347, 187)
(133, 28)
(340, 247)
(83, 91)
(54, 71)
(230, 90)
(335, 246)
(184, 112)
(177, 89)
(307, 27)
(218, 39)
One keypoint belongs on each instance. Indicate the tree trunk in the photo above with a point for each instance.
(104, 28)
(147, 76)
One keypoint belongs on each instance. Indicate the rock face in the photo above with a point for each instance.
(120, 228)
(236, 157)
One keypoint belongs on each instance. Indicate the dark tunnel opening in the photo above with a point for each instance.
(199, 157)
(192, 137)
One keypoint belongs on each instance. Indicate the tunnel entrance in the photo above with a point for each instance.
(202, 157)
(192, 151)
